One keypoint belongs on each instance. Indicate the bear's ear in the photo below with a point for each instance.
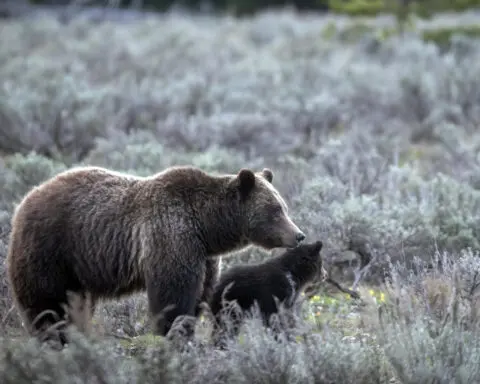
(267, 174)
(246, 181)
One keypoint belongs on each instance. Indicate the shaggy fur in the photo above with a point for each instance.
(282, 278)
(108, 234)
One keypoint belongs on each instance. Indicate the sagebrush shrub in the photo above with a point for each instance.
(372, 141)
(430, 326)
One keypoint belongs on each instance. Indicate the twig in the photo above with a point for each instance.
(352, 293)
(475, 284)
(117, 336)
(4, 320)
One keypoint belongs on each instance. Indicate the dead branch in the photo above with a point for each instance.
(352, 293)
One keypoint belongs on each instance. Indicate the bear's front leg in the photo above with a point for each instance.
(212, 270)
(173, 292)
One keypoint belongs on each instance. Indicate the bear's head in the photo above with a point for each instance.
(264, 211)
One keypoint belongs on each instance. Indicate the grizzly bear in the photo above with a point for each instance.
(280, 278)
(105, 234)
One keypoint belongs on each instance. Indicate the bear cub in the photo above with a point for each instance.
(280, 278)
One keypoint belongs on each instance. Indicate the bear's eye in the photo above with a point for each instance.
(276, 210)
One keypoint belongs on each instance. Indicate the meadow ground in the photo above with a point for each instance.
(373, 140)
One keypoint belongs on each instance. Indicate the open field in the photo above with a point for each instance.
(374, 141)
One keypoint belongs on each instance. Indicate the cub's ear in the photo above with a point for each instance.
(318, 246)
(245, 181)
(267, 174)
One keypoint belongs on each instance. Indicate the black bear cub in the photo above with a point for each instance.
(280, 278)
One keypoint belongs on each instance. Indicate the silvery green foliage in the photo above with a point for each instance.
(142, 154)
(375, 148)
(259, 358)
(467, 271)
(254, 359)
(419, 355)
(81, 362)
(460, 271)
(410, 348)
(259, 351)
(405, 217)
(460, 151)
(261, 93)
(433, 335)
(19, 174)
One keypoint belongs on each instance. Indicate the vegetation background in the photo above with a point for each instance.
(369, 122)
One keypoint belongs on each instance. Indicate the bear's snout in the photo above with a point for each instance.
(300, 237)
(292, 235)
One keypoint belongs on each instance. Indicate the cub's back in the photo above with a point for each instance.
(250, 282)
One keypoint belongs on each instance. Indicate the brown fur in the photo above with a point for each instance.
(107, 234)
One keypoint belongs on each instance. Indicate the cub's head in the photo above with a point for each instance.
(305, 261)
(264, 211)
(312, 254)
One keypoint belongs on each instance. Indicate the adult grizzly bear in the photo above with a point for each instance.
(103, 234)
(281, 278)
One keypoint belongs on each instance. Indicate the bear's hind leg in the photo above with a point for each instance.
(46, 321)
(49, 319)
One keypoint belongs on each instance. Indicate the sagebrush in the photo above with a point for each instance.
(373, 141)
